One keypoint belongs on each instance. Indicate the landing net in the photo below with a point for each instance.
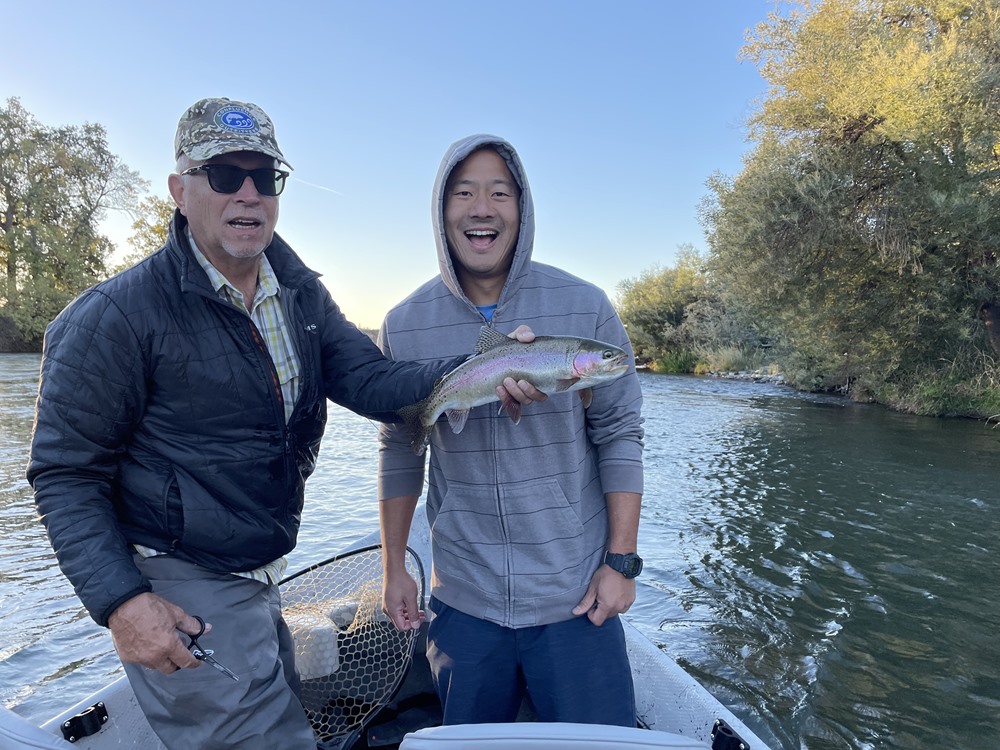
(349, 655)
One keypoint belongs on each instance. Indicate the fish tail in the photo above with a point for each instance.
(420, 433)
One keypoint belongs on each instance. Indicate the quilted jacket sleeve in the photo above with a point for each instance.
(360, 377)
(91, 391)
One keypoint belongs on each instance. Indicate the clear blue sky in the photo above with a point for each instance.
(620, 111)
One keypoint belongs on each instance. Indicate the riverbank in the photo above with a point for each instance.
(932, 394)
(756, 376)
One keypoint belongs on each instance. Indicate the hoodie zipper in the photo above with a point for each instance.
(494, 435)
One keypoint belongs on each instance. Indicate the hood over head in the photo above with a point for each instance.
(457, 153)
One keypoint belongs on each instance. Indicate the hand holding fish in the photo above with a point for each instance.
(521, 391)
(513, 372)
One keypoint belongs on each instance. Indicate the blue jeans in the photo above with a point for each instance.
(572, 670)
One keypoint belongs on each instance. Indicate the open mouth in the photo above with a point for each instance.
(244, 225)
(481, 239)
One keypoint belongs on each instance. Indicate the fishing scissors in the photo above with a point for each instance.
(205, 655)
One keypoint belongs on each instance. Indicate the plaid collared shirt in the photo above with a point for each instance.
(269, 317)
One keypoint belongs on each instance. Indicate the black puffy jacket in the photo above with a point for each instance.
(159, 422)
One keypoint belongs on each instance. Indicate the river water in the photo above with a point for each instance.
(828, 570)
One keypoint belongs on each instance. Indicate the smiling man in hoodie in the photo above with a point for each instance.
(533, 526)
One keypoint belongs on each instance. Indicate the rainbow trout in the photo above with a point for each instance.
(550, 363)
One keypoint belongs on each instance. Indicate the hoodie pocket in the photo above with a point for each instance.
(547, 539)
(527, 533)
(468, 534)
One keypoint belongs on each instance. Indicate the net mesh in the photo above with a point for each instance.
(349, 655)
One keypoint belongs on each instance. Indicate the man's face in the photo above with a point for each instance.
(229, 226)
(482, 215)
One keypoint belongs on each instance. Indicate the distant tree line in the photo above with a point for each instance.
(857, 250)
(56, 186)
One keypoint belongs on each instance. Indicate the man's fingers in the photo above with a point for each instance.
(586, 604)
(523, 333)
(193, 626)
(182, 657)
(598, 614)
(531, 392)
(404, 621)
(520, 391)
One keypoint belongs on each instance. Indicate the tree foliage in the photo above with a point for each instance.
(149, 230)
(56, 185)
(863, 229)
(652, 306)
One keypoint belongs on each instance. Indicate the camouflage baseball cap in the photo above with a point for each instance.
(217, 126)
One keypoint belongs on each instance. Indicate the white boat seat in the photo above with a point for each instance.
(544, 736)
(17, 733)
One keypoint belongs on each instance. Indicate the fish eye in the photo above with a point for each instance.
(609, 354)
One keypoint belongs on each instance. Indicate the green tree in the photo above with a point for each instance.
(865, 224)
(56, 185)
(149, 230)
(652, 306)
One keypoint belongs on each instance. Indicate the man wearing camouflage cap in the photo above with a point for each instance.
(180, 410)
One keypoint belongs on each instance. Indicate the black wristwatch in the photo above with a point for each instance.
(629, 564)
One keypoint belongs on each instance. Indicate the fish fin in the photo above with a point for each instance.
(512, 406)
(490, 338)
(564, 384)
(586, 396)
(457, 419)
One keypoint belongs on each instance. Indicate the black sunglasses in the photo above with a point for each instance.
(226, 178)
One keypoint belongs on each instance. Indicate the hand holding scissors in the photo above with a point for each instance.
(205, 655)
(144, 631)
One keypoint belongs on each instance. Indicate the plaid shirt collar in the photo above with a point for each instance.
(267, 281)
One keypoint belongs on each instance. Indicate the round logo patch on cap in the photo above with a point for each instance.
(236, 120)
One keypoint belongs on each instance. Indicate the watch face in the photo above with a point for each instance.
(632, 566)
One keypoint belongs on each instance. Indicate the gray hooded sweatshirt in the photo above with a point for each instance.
(518, 514)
